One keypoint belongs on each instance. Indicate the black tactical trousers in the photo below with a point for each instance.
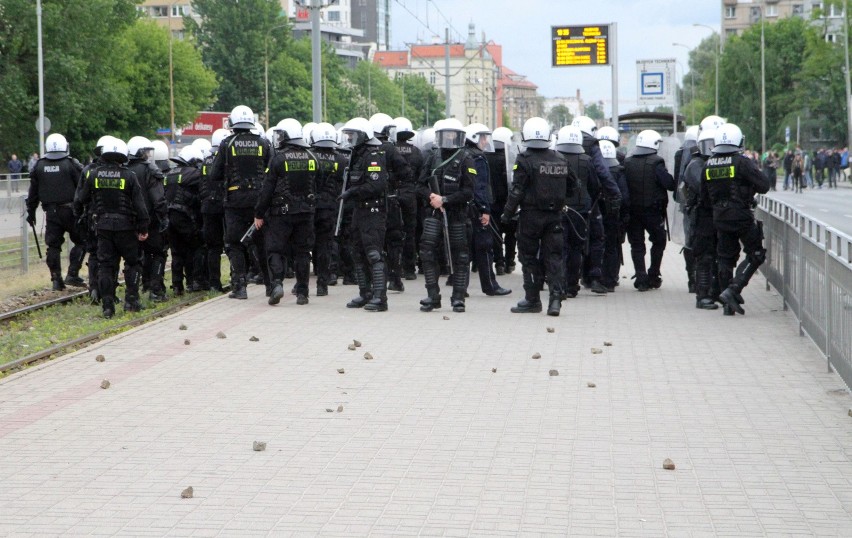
(394, 238)
(323, 244)
(483, 252)
(368, 240)
(750, 234)
(407, 200)
(213, 230)
(154, 251)
(431, 246)
(704, 251)
(112, 246)
(59, 220)
(289, 234)
(541, 231)
(184, 242)
(648, 220)
(613, 238)
(575, 237)
(237, 221)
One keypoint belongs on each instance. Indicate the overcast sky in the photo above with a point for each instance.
(646, 30)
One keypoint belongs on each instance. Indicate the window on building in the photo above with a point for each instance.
(177, 34)
(798, 10)
(730, 32)
(754, 14)
(333, 16)
(432, 77)
(831, 38)
(730, 12)
(817, 6)
(771, 10)
(180, 11)
(835, 11)
(159, 11)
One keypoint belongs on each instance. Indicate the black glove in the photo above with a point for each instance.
(31, 219)
(164, 225)
(346, 195)
(506, 218)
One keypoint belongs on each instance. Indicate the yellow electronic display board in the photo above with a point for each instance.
(580, 45)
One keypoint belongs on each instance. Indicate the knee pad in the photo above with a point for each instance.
(374, 256)
(758, 257)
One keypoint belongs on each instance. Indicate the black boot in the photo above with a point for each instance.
(641, 283)
(132, 304)
(458, 304)
(706, 304)
(360, 301)
(431, 302)
(276, 293)
(108, 307)
(322, 290)
(597, 287)
(75, 280)
(238, 290)
(527, 306)
(732, 300)
(395, 284)
(555, 305)
(379, 302)
(56, 278)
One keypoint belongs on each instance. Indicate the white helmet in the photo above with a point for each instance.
(691, 134)
(102, 141)
(711, 122)
(480, 136)
(306, 131)
(427, 139)
(381, 123)
(190, 155)
(324, 136)
(114, 150)
(449, 134)
(55, 147)
(569, 139)
(586, 125)
(610, 155)
(647, 142)
(536, 133)
(204, 146)
(609, 133)
(707, 141)
(357, 131)
(270, 135)
(289, 130)
(728, 139)
(403, 130)
(258, 129)
(218, 136)
(137, 145)
(161, 150)
(502, 137)
(241, 118)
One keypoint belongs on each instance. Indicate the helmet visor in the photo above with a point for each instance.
(485, 142)
(449, 139)
(706, 146)
(353, 138)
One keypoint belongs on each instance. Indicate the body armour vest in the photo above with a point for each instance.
(329, 180)
(497, 174)
(295, 170)
(580, 200)
(146, 174)
(448, 173)
(57, 180)
(723, 182)
(641, 173)
(414, 157)
(181, 187)
(549, 176)
(111, 190)
(246, 156)
(212, 194)
(367, 173)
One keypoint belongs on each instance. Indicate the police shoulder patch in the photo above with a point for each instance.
(374, 176)
(472, 170)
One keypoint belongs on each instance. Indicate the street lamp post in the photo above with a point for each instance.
(846, 77)
(718, 53)
(762, 80)
(692, 85)
(41, 83)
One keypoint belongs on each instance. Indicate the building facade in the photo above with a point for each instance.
(738, 15)
(373, 17)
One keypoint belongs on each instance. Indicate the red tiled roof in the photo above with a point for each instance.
(510, 78)
(436, 51)
(391, 58)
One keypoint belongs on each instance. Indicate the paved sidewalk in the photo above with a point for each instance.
(430, 441)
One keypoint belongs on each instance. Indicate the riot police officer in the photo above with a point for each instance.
(331, 165)
(683, 156)
(407, 195)
(240, 164)
(647, 181)
(287, 201)
(446, 183)
(702, 232)
(53, 183)
(399, 173)
(613, 223)
(500, 165)
(118, 207)
(575, 220)
(542, 183)
(213, 214)
(88, 220)
(730, 183)
(154, 248)
(367, 188)
(183, 196)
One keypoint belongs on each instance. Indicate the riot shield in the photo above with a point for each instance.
(511, 153)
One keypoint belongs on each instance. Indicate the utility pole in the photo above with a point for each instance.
(316, 60)
(846, 78)
(447, 68)
(762, 79)
(41, 83)
(613, 53)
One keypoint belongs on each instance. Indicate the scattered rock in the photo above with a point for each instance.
(220, 335)
(554, 373)
(100, 358)
(352, 347)
(341, 371)
(104, 384)
(536, 356)
(258, 446)
(608, 344)
(494, 370)
(591, 385)
(446, 318)
(596, 351)
(551, 329)
(182, 327)
(368, 356)
(668, 465)
(339, 408)
(850, 412)
(187, 493)
(254, 339)
(327, 410)
(356, 343)
(186, 342)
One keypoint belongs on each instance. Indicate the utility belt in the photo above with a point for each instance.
(180, 207)
(379, 204)
(55, 206)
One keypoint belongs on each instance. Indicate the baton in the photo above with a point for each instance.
(249, 233)
(494, 231)
(668, 234)
(340, 207)
(35, 235)
(433, 184)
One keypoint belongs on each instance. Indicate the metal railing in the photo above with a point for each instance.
(810, 264)
(14, 184)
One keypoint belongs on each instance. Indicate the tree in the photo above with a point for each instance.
(595, 111)
(233, 37)
(423, 103)
(702, 66)
(559, 116)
